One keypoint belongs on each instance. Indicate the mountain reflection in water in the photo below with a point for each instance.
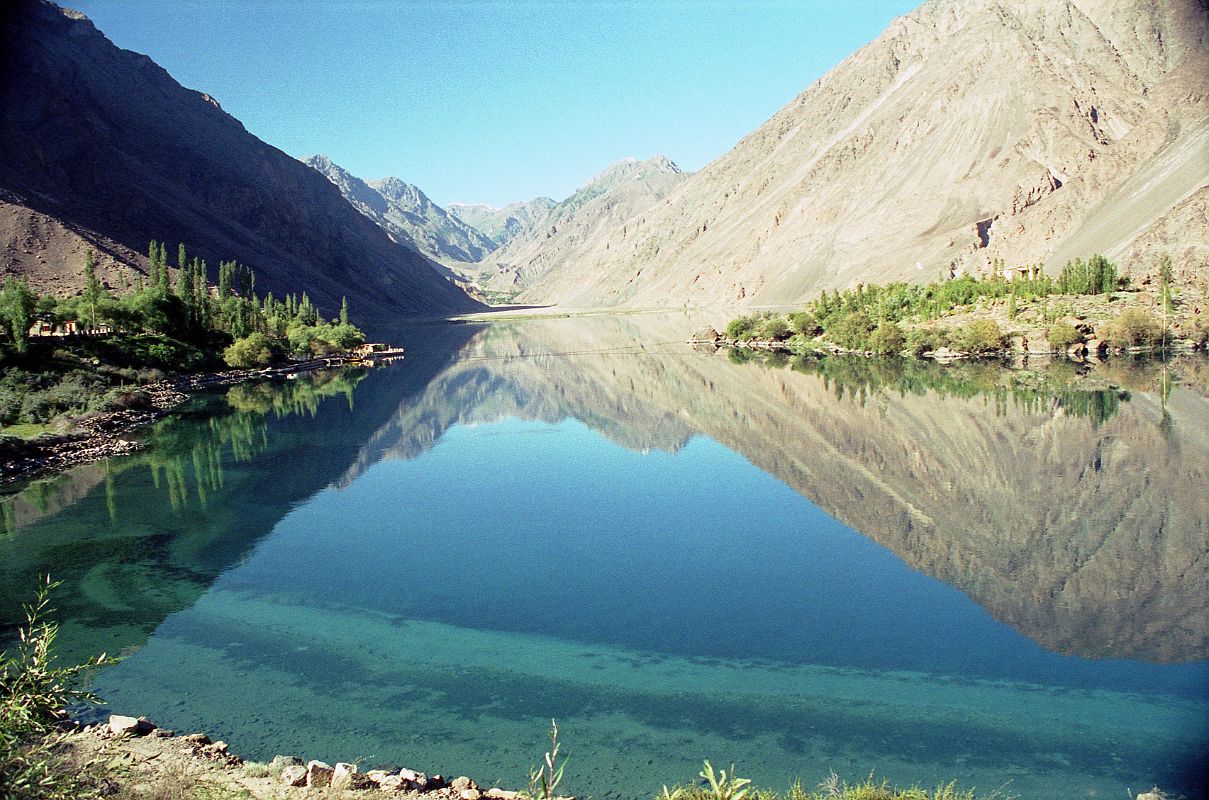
(463, 511)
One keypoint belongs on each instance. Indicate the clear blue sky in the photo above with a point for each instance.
(496, 101)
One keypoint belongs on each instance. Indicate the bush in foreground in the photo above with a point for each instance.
(1062, 335)
(724, 785)
(33, 693)
(981, 336)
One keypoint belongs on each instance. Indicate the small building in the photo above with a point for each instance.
(1023, 273)
(369, 348)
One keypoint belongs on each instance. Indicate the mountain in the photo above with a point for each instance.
(970, 130)
(103, 149)
(407, 214)
(502, 225)
(604, 202)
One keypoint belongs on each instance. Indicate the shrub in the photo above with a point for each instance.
(254, 350)
(979, 336)
(774, 328)
(887, 339)
(927, 340)
(804, 322)
(1135, 327)
(852, 332)
(740, 328)
(33, 693)
(1062, 335)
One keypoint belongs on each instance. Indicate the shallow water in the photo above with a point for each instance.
(797, 568)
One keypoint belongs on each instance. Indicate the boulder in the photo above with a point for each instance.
(280, 762)
(1077, 350)
(197, 739)
(293, 775)
(378, 775)
(419, 782)
(393, 783)
(130, 726)
(501, 794)
(318, 775)
(342, 775)
(469, 794)
(1096, 345)
(1154, 794)
(462, 783)
(706, 334)
(436, 781)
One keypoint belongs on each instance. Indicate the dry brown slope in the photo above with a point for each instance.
(557, 240)
(968, 131)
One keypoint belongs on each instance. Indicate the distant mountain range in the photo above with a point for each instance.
(407, 214)
(103, 149)
(554, 240)
(969, 131)
(502, 225)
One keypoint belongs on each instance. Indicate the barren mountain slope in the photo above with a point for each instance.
(970, 130)
(1089, 539)
(502, 225)
(102, 148)
(607, 200)
(407, 214)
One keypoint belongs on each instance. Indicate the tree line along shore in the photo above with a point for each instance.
(1089, 307)
(97, 351)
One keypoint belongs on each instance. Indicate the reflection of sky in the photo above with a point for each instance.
(551, 529)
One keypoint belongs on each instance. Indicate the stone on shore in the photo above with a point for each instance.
(294, 775)
(461, 783)
(130, 726)
(318, 775)
(501, 794)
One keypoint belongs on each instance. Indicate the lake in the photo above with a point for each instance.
(796, 565)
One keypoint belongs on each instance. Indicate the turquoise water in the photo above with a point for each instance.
(676, 556)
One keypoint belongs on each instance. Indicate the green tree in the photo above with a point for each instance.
(887, 339)
(254, 350)
(17, 305)
(92, 286)
(343, 310)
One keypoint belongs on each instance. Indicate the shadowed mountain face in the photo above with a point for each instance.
(103, 149)
(556, 240)
(1027, 130)
(1085, 532)
(407, 214)
(502, 225)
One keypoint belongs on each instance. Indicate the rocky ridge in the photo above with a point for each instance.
(104, 150)
(1022, 130)
(556, 239)
(502, 225)
(406, 213)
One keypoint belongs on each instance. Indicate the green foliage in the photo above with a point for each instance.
(833, 788)
(887, 339)
(34, 690)
(980, 336)
(852, 331)
(927, 340)
(17, 306)
(254, 350)
(1134, 327)
(741, 328)
(1097, 275)
(775, 329)
(805, 323)
(1062, 335)
(544, 779)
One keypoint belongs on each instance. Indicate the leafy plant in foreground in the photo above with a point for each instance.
(544, 779)
(33, 693)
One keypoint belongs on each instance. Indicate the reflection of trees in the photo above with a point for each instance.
(185, 456)
(1045, 390)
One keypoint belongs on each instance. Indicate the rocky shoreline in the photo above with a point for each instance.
(103, 435)
(152, 755)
